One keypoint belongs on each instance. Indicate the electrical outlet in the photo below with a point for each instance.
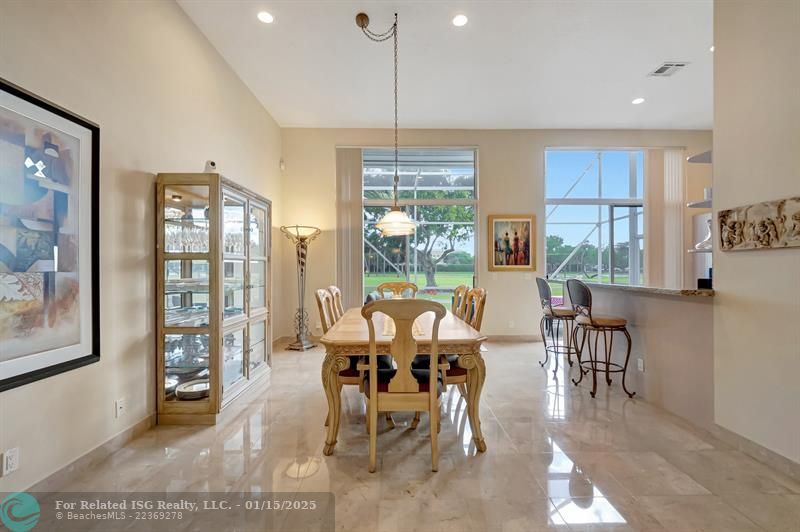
(119, 408)
(640, 364)
(511, 324)
(10, 461)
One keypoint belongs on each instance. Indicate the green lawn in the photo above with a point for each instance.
(446, 281)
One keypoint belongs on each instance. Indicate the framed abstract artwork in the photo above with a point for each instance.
(49, 190)
(512, 242)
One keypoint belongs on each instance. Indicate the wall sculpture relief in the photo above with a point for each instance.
(768, 225)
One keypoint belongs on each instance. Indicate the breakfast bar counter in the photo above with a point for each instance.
(672, 359)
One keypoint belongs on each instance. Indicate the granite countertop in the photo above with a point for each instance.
(685, 292)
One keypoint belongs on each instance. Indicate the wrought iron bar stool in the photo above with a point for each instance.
(581, 298)
(554, 317)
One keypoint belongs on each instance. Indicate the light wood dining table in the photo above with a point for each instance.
(350, 336)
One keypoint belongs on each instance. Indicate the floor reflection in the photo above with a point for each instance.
(574, 495)
(454, 408)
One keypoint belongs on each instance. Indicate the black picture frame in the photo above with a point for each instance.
(94, 356)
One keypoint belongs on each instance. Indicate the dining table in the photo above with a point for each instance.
(349, 336)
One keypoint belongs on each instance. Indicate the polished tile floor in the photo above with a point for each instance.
(556, 459)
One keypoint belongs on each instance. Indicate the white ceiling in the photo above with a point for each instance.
(516, 64)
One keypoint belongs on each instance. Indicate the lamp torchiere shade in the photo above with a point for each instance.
(301, 236)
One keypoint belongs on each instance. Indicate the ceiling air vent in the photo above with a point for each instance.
(668, 69)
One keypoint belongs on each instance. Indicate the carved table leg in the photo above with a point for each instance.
(476, 375)
(331, 367)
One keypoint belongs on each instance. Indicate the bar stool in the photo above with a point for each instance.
(554, 316)
(581, 298)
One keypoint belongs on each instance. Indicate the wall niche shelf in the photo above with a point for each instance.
(213, 312)
(702, 204)
(699, 251)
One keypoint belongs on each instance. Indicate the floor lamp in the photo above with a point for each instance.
(301, 235)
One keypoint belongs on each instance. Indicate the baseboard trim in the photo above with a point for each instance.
(505, 338)
(758, 452)
(55, 481)
(281, 340)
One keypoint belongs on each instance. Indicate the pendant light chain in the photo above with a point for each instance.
(396, 221)
(396, 157)
(380, 37)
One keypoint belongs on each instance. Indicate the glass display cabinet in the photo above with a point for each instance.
(213, 294)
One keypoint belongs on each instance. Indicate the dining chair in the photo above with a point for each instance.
(325, 306)
(338, 308)
(554, 315)
(403, 389)
(475, 300)
(459, 301)
(349, 375)
(398, 289)
(581, 297)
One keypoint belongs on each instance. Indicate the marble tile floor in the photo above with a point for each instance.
(556, 459)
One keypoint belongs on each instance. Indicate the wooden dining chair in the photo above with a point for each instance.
(403, 389)
(350, 375)
(459, 300)
(325, 306)
(475, 302)
(398, 289)
(338, 308)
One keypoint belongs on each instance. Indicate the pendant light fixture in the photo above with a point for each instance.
(395, 222)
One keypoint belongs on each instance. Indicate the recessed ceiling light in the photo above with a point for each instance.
(265, 17)
(711, 49)
(637, 101)
(460, 20)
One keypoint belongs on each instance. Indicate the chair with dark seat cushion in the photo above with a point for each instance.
(402, 389)
(581, 298)
(328, 316)
(473, 305)
(372, 296)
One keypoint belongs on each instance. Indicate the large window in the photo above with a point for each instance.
(438, 188)
(594, 215)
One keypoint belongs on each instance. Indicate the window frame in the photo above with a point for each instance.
(411, 202)
(609, 203)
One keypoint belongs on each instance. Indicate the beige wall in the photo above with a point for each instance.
(165, 101)
(511, 168)
(757, 158)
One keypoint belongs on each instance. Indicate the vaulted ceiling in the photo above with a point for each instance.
(515, 64)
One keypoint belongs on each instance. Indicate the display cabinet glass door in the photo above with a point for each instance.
(258, 236)
(233, 359)
(186, 221)
(186, 370)
(258, 347)
(234, 254)
(186, 292)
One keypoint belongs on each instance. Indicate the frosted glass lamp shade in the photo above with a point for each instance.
(396, 223)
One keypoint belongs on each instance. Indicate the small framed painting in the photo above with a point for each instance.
(49, 292)
(512, 242)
